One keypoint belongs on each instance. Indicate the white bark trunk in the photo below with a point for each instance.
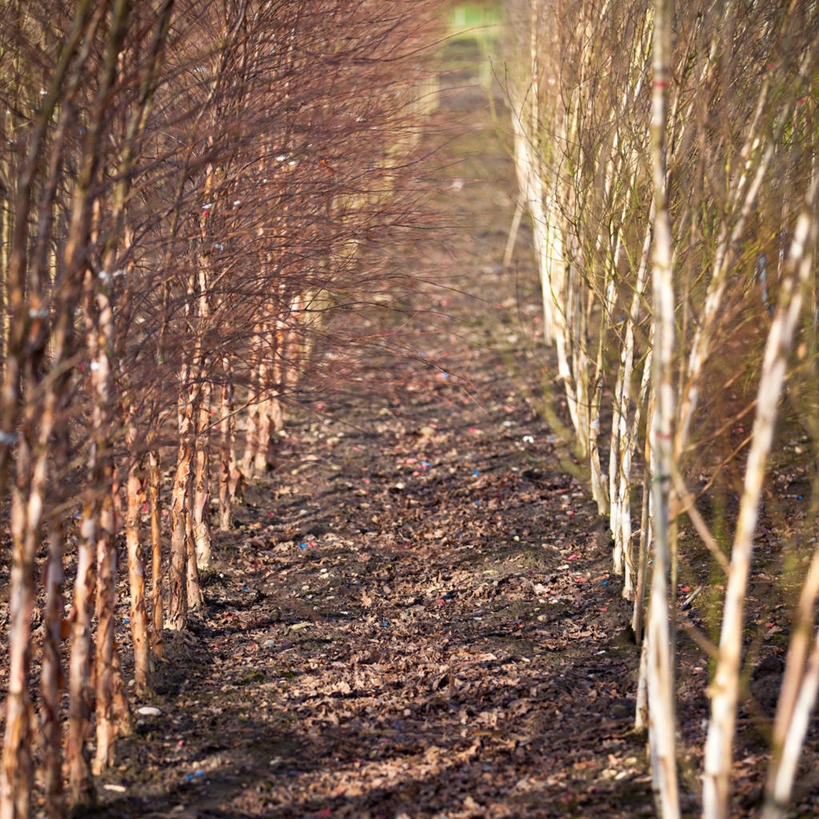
(725, 686)
(660, 669)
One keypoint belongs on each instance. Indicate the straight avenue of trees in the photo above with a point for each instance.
(194, 195)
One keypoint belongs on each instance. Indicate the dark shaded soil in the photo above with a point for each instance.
(414, 615)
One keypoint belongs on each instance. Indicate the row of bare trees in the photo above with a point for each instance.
(183, 188)
(666, 154)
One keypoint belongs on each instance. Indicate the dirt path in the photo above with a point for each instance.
(414, 616)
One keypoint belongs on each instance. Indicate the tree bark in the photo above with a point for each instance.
(136, 568)
(104, 657)
(157, 614)
(226, 450)
(51, 675)
(201, 479)
(660, 669)
(80, 663)
(178, 603)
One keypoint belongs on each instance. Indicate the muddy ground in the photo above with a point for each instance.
(414, 615)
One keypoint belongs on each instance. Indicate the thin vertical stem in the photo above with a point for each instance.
(660, 672)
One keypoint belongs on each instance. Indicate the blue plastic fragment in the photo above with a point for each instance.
(302, 545)
(475, 472)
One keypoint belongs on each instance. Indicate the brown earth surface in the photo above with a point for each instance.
(414, 615)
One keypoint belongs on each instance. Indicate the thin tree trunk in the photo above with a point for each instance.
(226, 450)
(194, 591)
(27, 500)
(783, 773)
(80, 663)
(17, 759)
(660, 670)
(52, 679)
(178, 604)
(251, 428)
(180, 502)
(642, 560)
(51, 676)
(520, 208)
(725, 686)
(136, 570)
(200, 506)
(121, 710)
(157, 614)
(780, 772)
(624, 434)
(100, 342)
(201, 479)
(104, 658)
(598, 482)
(279, 381)
(261, 437)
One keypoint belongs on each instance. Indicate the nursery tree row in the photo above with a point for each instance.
(183, 189)
(666, 154)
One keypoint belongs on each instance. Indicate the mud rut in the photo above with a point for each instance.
(414, 615)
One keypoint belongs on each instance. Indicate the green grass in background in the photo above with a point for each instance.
(479, 21)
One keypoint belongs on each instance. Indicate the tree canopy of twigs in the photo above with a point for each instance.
(184, 187)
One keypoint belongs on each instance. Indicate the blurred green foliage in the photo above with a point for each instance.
(480, 21)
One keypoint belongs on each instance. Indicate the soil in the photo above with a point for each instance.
(414, 615)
